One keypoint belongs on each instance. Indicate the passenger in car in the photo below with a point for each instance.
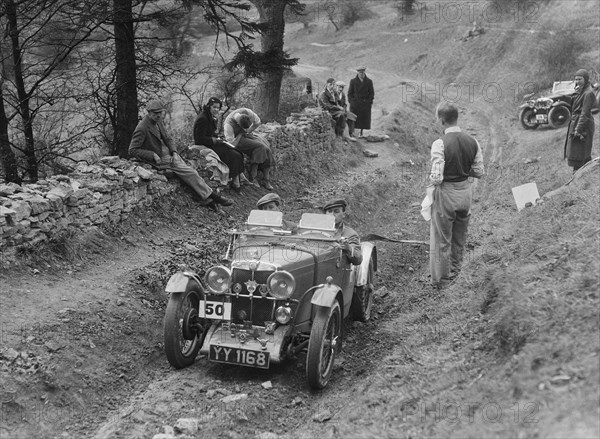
(272, 201)
(351, 241)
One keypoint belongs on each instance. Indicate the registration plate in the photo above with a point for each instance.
(541, 117)
(244, 357)
(210, 309)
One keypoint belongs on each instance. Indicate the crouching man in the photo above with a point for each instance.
(150, 142)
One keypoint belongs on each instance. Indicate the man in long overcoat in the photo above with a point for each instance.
(361, 94)
(578, 149)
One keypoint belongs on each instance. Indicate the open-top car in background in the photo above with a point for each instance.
(279, 294)
(553, 110)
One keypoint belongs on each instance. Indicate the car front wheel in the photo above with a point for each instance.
(183, 333)
(325, 340)
(527, 118)
(559, 117)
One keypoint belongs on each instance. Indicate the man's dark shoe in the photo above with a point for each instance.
(222, 200)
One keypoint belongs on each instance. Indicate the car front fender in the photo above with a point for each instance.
(325, 295)
(525, 105)
(560, 104)
(369, 251)
(179, 281)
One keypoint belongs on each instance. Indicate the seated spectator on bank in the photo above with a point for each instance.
(238, 129)
(151, 143)
(206, 133)
(343, 102)
(272, 201)
(329, 102)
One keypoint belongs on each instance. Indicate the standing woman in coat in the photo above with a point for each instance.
(578, 149)
(206, 133)
(361, 94)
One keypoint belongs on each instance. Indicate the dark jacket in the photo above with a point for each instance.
(148, 138)
(205, 129)
(579, 151)
(329, 102)
(361, 95)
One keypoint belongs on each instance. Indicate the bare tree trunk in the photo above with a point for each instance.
(126, 87)
(7, 155)
(29, 149)
(269, 87)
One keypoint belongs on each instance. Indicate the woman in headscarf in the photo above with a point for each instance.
(578, 149)
(206, 133)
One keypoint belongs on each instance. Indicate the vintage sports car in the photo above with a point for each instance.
(553, 110)
(278, 295)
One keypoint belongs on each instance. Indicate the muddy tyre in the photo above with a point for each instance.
(527, 118)
(559, 116)
(183, 332)
(362, 299)
(324, 343)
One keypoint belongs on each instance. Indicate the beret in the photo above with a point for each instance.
(583, 73)
(330, 80)
(342, 83)
(361, 68)
(335, 203)
(155, 105)
(269, 198)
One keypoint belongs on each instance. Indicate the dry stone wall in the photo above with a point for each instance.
(106, 192)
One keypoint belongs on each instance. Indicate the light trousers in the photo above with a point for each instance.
(450, 214)
(185, 172)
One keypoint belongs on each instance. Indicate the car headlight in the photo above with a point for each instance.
(218, 279)
(283, 314)
(281, 284)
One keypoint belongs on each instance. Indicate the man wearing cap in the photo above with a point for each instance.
(342, 102)
(150, 142)
(350, 240)
(361, 95)
(454, 158)
(272, 201)
(578, 144)
(329, 102)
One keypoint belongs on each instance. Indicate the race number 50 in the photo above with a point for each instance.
(215, 310)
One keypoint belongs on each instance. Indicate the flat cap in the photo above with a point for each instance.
(335, 203)
(269, 198)
(361, 68)
(583, 73)
(341, 83)
(330, 80)
(155, 105)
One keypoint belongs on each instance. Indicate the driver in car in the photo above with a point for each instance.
(272, 201)
(350, 241)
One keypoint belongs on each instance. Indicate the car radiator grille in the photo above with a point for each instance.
(259, 309)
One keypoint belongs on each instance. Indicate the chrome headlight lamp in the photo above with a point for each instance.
(218, 279)
(281, 285)
(283, 314)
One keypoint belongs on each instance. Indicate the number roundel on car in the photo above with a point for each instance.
(281, 284)
(218, 279)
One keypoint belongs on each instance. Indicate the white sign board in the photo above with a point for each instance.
(526, 193)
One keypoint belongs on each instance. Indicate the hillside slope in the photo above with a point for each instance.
(511, 348)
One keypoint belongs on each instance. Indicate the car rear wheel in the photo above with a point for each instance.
(559, 116)
(362, 299)
(183, 331)
(527, 118)
(325, 340)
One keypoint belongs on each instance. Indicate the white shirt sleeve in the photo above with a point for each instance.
(477, 169)
(437, 162)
